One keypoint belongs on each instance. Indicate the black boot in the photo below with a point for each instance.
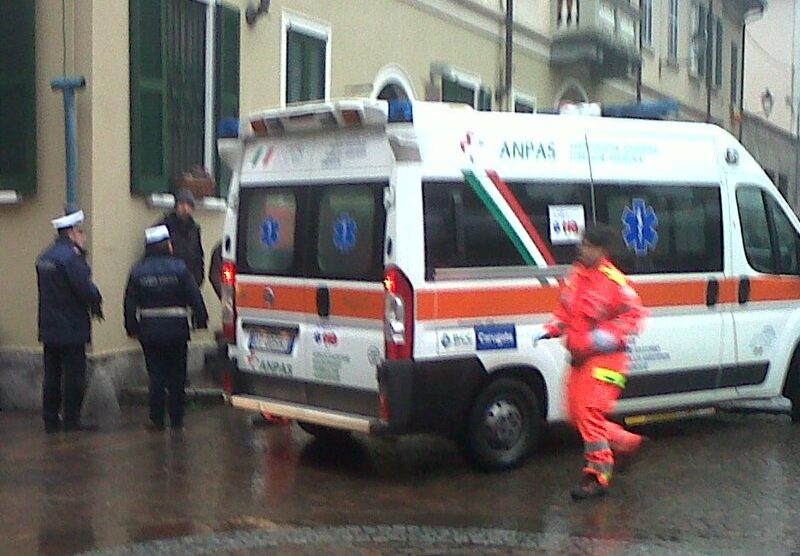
(589, 487)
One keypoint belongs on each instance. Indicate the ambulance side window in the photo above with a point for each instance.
(569, 204)
(771, 243)
(461, 232)
(270, 230)
(663, 229)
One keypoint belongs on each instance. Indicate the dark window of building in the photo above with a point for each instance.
(734, 74)
(455, 91)
(305, 66)
(718, 55)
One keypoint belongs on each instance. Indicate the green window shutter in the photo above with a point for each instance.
(17, 96)
(305, 67)
(149, 114)
(227, 79)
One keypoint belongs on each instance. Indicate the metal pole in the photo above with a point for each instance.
(509, 53)
(709, 61)
(67, 85)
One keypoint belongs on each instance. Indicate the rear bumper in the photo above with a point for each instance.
(315, 415)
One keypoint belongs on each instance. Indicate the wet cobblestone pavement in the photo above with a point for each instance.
(728, 484)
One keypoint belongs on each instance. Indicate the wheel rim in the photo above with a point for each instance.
(504, 424)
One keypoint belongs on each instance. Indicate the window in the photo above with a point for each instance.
(771, 243)
(350, 234)
(18, 94)
(524, 104)
(699, 37)
(321, 231)
(734, 75)
(646, 8)
(664, 229)
(783, 185)
(306, 62)
(718, 55)
(541, 200)
(485, 99)
(172, 128)
(460, 231)
(455, 91)
(271, 222)
(672, 38)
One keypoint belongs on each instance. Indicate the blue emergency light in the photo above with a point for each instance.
(401, 111)
(228, 128)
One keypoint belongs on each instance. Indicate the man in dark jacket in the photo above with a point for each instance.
(185, 234)
(159, 290)
(66, 297)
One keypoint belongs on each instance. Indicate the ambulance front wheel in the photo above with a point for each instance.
(505, 424)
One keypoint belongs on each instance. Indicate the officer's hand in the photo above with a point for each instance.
(543, 335)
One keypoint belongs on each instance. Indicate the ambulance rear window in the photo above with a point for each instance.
(270, 230)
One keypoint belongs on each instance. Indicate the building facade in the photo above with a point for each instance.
(771, 95)
(160, 73)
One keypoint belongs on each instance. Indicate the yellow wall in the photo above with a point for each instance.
(366, 36)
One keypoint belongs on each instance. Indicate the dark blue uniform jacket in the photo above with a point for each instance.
(66, 292)
(162, 281)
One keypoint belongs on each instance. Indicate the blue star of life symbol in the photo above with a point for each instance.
(344, 233)
(640, 227)
(270, 232)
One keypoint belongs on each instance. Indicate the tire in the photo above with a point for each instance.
(323, 433)
(792, 391)
(505, 424)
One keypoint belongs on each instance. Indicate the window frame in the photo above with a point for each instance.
(673, 21)
(293, 21)
(646, 25)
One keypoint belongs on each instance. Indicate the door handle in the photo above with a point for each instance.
(744, 290)
(712, 292)
(323, 301)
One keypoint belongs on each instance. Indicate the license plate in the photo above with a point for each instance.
(273, 340)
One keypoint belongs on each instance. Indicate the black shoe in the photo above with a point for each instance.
(589, 487)
(79, 427)
(154, 427)
(52, 428)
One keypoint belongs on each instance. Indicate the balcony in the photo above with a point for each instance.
(603, 34)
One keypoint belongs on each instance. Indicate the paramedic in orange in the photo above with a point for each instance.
(598, 313)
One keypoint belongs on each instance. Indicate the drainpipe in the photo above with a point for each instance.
(68, 85)
(709, 61)
(509, 82)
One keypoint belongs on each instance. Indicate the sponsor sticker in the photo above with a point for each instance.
(567, 223)
(496, 336)
(456, 340)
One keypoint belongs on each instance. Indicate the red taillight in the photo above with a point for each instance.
(228, 300)
(398, 315)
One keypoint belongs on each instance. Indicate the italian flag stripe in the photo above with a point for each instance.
(521, 215)
(504, 216)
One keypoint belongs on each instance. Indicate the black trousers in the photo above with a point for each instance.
(166, 370)
(65, 364)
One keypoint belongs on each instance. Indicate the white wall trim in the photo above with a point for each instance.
(393, 74)
(210, 127)
(311, 27)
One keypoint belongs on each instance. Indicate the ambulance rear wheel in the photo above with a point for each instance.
(505, 424)
(326, 434)
(791, 388)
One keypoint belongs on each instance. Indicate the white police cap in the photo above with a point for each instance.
(156, 234)
(68, 221)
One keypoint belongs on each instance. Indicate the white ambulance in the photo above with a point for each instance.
(387, 266)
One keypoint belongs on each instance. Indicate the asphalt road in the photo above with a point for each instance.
(727, 484)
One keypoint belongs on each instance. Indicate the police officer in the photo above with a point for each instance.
(67, 296)
(160, 287)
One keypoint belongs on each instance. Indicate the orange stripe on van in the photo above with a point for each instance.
(454, 304)
(775, 288)
(284, 298)
(344, 302)
(672, 294)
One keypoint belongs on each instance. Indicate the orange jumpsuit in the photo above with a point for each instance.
(599, 311)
